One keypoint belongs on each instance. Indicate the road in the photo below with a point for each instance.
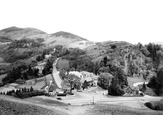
(101, 99)
(55, 75)
(89, 97)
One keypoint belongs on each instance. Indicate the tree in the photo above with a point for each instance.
(115, 89)
(85, 85)
(155, 54)
(62, 73)
(104, 81)
(105, 59)
(47, 68)
(96, 68)
(156, 82)
(144, 87)
(35, 72)
(113, 46)
(31, 89)
(30, 71)
(39, 58)
(159, 86)
(72, 79)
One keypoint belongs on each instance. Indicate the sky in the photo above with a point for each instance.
(96, 20)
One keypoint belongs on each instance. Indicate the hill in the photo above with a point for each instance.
(13, 106)
(38, 106)
(59, 38)
(16, 33)
(15, 41)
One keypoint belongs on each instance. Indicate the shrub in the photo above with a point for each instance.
(150, 105)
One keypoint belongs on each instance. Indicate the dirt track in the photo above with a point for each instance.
(55, 74)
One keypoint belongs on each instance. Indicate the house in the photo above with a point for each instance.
(48, 56)
(52, 90)
(88, 80)
(40, 66)
(131, 91)
(20, 81)
(86, 74)
(13, 85)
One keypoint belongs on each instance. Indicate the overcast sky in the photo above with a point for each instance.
(96, 20)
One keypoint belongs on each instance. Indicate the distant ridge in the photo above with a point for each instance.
(16, 33)
(59, 38)
(67, 35)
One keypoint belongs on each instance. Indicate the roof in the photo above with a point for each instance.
(88, 79)
(78, 74)
(13, 84)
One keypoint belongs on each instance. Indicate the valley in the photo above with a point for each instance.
(63, 73)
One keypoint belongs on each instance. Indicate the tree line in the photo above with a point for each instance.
(24, 93)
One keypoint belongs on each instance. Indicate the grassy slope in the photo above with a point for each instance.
(62, 63)
(99, 50)
(132, 80)
(18, 33)
(14, 106)
(119, 110)
(41, 106)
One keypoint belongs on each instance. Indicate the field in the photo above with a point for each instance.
(39, 84)
(38, 106)
(62, 63)
(119, 110)
(18, 107)
(132, 80)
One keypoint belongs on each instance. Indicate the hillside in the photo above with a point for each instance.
(30, 42)
(13, 106)
(59, 38)
(114, 50)
(16, 33)
(38, 106)
(21, 42)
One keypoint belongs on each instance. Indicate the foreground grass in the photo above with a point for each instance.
(119, 110)
(46, 106)
(12, 108)
(18, 107)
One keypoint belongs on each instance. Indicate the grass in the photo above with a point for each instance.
(45, 101)
(36, 86)
(119, 110)
(42, 106)
(62, 63)
(132, 80)
(14, 108)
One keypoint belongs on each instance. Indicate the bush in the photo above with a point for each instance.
(150, 105)
(155, 105)
(25, 93)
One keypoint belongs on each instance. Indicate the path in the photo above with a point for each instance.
(55, 75)
(92, 97)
